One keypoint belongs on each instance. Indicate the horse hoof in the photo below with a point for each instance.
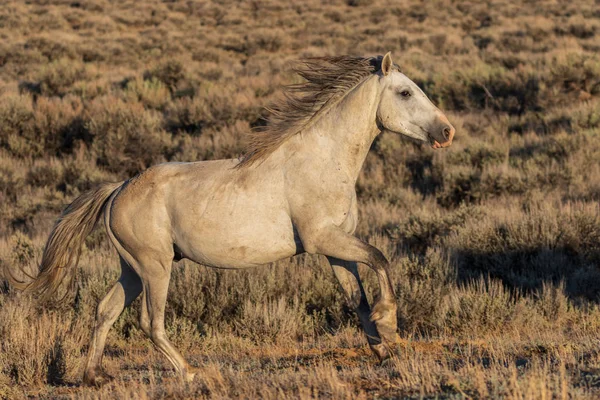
(97, 378)
(381, 351)
(386, 362)
(190, 374)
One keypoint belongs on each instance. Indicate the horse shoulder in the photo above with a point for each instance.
(319, 197)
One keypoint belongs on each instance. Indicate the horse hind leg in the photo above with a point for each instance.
(152, 319)
(127, 289)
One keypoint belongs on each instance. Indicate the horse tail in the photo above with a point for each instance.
(63, 247)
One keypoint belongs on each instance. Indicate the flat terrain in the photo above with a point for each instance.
(494, 242)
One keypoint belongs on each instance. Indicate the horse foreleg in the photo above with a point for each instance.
(334, 242)
(110, 307)
(348, 277)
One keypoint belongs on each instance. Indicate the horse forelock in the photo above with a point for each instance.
(326, 79)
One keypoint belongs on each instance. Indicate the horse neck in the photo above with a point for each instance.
(345, 132)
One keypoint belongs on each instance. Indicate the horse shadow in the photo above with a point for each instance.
(527, 270)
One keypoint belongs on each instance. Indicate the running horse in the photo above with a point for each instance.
(293, 192)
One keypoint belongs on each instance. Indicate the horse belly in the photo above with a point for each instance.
(244, 239)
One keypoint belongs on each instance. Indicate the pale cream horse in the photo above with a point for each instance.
(294, 192)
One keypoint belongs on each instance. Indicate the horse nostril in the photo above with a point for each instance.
(446, 133)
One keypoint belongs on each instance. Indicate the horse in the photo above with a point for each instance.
(292, 192)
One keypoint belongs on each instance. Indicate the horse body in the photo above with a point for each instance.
(293, 193)
(221, 216)
(205, 212)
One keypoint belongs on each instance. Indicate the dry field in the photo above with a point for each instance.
(494, 243)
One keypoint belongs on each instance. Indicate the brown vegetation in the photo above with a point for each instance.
(494, 243)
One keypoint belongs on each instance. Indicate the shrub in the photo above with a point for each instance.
(81, 173)
(359, 3)
(152, 93)
(266, 40)
(52, 49)
(202, 112)
(459, 186)
(31, 358)
(17, 131)
(424, 230)
(45, 174)
(503, 181)
(170, 72)
(48, 127)
(514, 92)
(126, 137)
(478, 155)
(524, 249)
(576, 73)
(422, 288)
(59, 124)
(11, 185)
(58, 77)
(274, 321)
(578, 27)
(481, 306)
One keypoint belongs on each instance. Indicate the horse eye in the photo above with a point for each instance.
(405, 93)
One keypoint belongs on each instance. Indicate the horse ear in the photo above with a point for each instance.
(386, 63)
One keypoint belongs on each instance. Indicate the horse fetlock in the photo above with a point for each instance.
(384, 311)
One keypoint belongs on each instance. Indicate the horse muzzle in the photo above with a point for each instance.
(448, 134)
(445, 135)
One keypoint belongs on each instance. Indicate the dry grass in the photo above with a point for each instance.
(494, 243)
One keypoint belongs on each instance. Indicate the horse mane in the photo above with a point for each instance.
(327, 79)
